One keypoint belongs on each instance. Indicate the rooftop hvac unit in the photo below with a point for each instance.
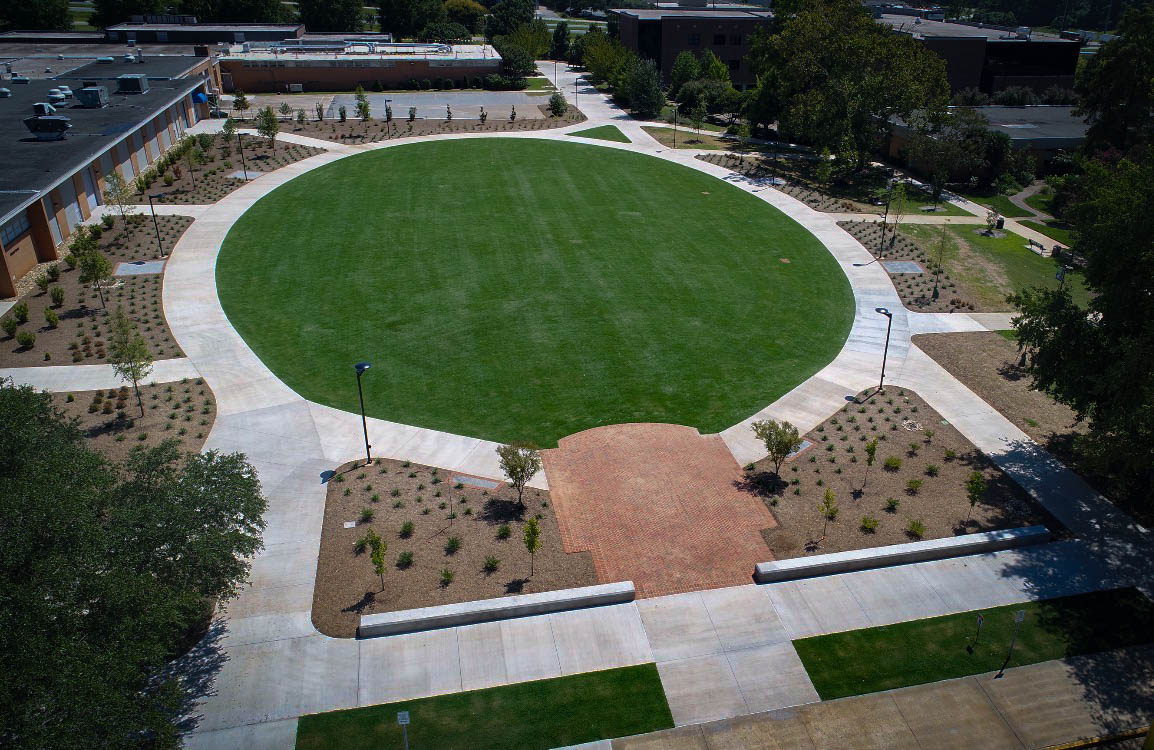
(48, 127)
(132, 83)
(93, 97)
(43, 109)
(66, 90)
(104, 60)
(5, 93)
(55, 96)
(17, 78)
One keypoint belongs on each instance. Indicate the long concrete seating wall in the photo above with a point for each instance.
(488, 610)
(898, 554)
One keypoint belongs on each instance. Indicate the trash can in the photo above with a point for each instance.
(1001, 222)
(1057, 251)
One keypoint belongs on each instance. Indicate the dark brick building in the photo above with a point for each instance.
(661, 35)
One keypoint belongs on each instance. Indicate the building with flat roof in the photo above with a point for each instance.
(55, 169)
(186, 30)
(325, 65)
(661, 34)
(991, 58)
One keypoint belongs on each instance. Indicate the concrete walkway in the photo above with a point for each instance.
(1019, 200)
(62, 378)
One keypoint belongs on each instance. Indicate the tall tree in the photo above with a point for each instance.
(646, 95)
(780, 439)
(840, 76)
(468, 13)
(712, 68)
(1117, 86)
(559, 47)
(118, 194)
(128, 352)
(95, 269)
(953, 150)
(1097, 360)
(110, 12)
(267, 125)
(236, 11)
(42, 14)
(406, 18)
(508, 15)
(102, 571)
(686, 68)
(332, 15)
(533, 37)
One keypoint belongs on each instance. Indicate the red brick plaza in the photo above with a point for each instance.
(657, 504)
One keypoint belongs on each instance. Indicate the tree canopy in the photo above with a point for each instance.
(42, 14)
(332, 15)
(1116, 88)
(468, 13)
(507, 16)
(406, 18)
(105, 569)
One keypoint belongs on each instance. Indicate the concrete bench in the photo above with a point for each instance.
(898, 554)
(489, 610)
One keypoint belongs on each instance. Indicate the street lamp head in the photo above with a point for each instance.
(883, 311)
(361, 367)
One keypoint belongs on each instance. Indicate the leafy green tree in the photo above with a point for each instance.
(109, 12)
(557, 104)
(236, 11)
(686, 68)
(507, 15)
(240, 102)
(468, 13)
(532, 37)
(532, 540)
(364, 111)
(697, 116)
(559, 47)
(1097, 360)
(871, 451)
(828, 510)
(95, 269)
(378, 548)
(103, 571)
(646, 95)
(780, 440)
(824, 174)
(975, 490)
(520, 462)
(331, 15)
(117, 194)
(445, 32)
(42, 14)
(953, 150)
(267, 125)
(516, 61)
(1117, 97)
(128, 352)
(712, 68)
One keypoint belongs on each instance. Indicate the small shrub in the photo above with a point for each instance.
(913, 485)
(361, 545)
(405, 560)
(367, 514)
(869, 524)
(407, 529)
(10, 325)
(394, 492)
(916, 528)
(20, 313)
(914, 448)
(26, 339)
(446, 577)
(57, 294)
(892, 463)
(892, 504)
(491, 564)
(951, 454)
(932, 470)
(503, 531)
(453, 545)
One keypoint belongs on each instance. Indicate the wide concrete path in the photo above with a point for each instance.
(61, 378)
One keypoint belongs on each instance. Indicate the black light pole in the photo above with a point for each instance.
(885, 353)
(361, 367)
(240, 143)
(152, 208)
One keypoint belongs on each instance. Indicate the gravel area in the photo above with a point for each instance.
(395, 492)
(925, 482)
(111, 421)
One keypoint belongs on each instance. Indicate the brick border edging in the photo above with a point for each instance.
(898, 554)
(490, 610)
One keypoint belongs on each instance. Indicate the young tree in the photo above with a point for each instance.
(228, 128)
(520, 462)
(871, 451)
(285, 110)
(828, 510)
(686, 68)
(95, 270)
(300, 117)
(267, 125)
(532, 541)
(557, 104)
(975, 490)
(824, 174)
(378, 547)
(559, 46)
(128, 352)
(320, 112)
(713, 69)
(240, 102)
(363, 110)
(118, 194)
(780, 440)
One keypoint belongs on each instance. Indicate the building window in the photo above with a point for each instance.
(695, 40)
(719, 40)
(734, 65)
(735, 39)
(15, 227)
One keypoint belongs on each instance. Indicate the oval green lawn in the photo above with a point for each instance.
(516, 289)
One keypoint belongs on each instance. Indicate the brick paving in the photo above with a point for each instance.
(656, 504)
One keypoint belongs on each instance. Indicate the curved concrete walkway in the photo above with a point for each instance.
(274, 666)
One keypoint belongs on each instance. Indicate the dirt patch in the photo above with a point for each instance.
(80, 334)
(397, 492)
(374, 131)
(849, 194)
(110, 419)
(211, 180)
(941, 462)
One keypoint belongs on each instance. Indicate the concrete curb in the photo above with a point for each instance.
(898, 554)
(489, 610)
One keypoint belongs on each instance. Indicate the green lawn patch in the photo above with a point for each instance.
(999, 203)
(944, 208)
(688, 138)
(1054, 230)
(684, 122)
(604, 133)
(1009, 335)
(538, 83)
(528, 715)
(942, 648)
(560, 287)
(992, 267)
(1040, 201)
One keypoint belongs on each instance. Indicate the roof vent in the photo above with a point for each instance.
(5, 93)
(104, 60)
(132, 83)
(93, 97)
(129, 57)
(43, 109)
(66, 90)
(55, 96)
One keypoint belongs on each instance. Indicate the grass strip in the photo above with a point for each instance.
(999, 203)
(604, 133)
(1052, 230)
(527, 715)
(942, 648)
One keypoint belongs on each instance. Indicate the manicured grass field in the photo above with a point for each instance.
(945, 208)
(687, 137)
(1060, 233)
(605, 133)
(528, 715)
(999, 203)
(517, 289)
(1040, 201)
(941, 648)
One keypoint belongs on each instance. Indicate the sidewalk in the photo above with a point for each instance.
(61, 378)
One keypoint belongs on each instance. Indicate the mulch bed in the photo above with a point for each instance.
(110, 419)
(797, 175)
(398, 491)
(354, 131)
(940, 504)
(915, 289)
(207, 183)
(80, 335)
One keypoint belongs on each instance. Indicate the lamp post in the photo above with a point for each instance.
(361, 367)
(240, 142)
(152, 208)
(885, 352)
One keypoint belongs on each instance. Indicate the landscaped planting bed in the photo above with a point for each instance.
(374, 131)
(111, 421)
(916, 489)
(82, 327)
(941, 648)
(208, 181)
(385, 498)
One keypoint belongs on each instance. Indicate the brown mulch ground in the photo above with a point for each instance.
(798, 181)
(79, 337)
(395, 491)
(355, 131)
(207, 183)
(915, 289)
(940, 503)
(111, 422)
